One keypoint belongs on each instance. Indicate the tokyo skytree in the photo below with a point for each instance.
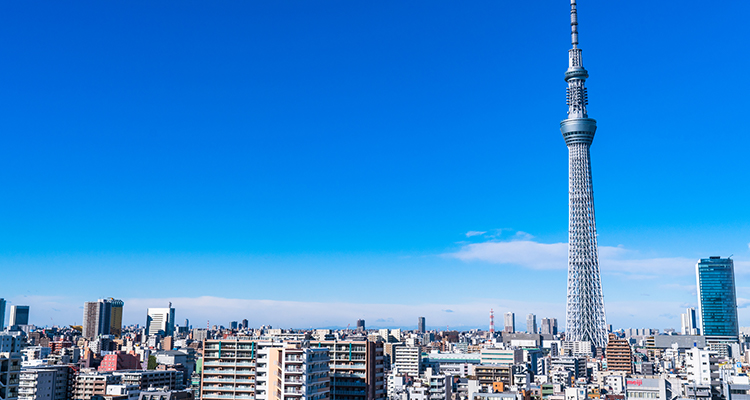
(585, 319)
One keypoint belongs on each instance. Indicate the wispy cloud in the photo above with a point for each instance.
(743, 303)
(525, 253)
(302, 314)
(545, 256)
(475, 233)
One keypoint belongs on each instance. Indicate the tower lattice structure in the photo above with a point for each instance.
(585, 318)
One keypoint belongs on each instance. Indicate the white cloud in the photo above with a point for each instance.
(521, 235)
(544, 256)
(526, 253)
(742, 303)
(475, 233)
(301, 314)
(293, 314)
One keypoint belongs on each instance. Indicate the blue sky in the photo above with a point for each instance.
(310, 163)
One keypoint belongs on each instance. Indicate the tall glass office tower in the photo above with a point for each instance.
(717, 298)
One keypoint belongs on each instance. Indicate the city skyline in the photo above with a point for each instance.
(201, 144)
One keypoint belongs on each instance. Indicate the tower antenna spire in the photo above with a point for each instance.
(573, 24)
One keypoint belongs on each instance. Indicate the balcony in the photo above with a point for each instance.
(340, 374)
(351, 384)
(219, 371)
(349, 392)
(245, 372)
(216, 396)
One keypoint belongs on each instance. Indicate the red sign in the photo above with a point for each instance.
(635, 382)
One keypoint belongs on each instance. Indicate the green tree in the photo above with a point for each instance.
(151, 363)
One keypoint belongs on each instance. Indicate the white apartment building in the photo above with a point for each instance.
(702, 367)
(408, 360)
(262, 370)
(440, 385)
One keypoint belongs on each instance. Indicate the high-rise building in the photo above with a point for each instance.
(233, 325)
(355, 365)
(244, 324)
(618, 354)
(52, 382)
(420, 325)
(689, 322)
(585, 319)
(160, 319)
(531, 324)
(549, 326)
(2, 314)
(510, 322)
(98, 317)
(717, 298)
(248, 369)
(91, 313)
(115, 322)
(361, 325)
(19, 315)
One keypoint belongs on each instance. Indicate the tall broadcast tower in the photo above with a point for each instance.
(585, 319)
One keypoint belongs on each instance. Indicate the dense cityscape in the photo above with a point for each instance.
(531, 357)
(527, 358)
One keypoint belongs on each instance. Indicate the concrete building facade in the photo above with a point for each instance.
(357, 369)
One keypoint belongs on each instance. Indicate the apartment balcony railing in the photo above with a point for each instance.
(245, 372)
(216, 396)
(349, 392)
(351, 384)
